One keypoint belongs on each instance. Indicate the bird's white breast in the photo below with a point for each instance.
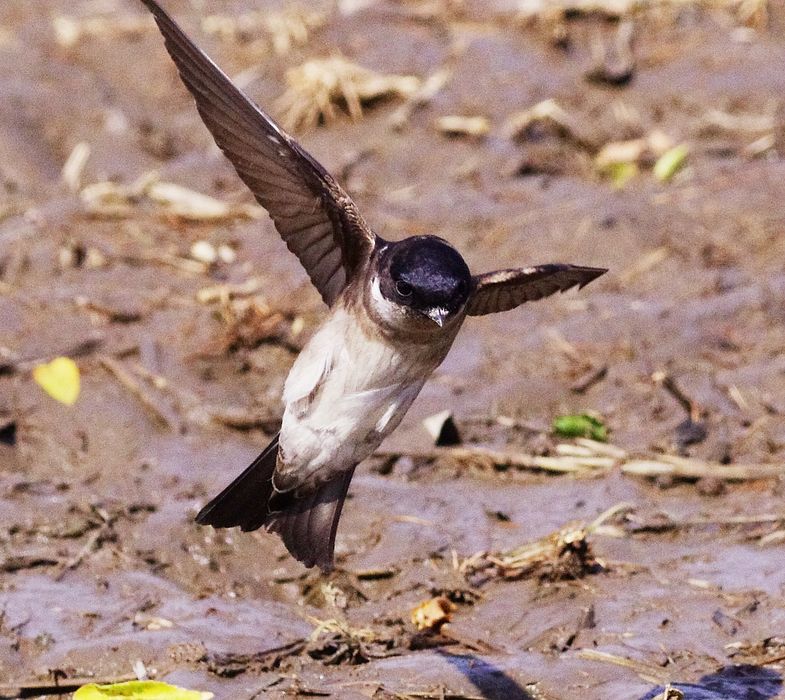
(348, 389)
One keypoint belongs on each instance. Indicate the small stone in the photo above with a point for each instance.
(690, 432)
(442, 428)
(204, 252)
(226, 254)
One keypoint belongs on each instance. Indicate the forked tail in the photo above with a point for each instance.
(307, 522)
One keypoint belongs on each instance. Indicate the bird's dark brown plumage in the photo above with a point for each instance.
(505, 289)
(307, 523)
(316, 218)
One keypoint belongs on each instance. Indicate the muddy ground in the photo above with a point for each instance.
(101, 564)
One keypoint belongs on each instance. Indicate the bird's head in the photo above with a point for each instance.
(425, 278)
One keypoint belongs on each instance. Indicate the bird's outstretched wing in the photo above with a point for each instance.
(316, 218)
(505, 289)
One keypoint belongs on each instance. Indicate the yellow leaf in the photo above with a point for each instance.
(621, 173)
(432, 613)
(59, 378)
(139, 690)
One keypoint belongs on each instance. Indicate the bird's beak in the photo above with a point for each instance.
(438, 314)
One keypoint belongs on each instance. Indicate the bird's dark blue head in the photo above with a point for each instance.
(427, 275)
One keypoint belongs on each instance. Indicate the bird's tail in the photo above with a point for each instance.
(244, 501)
(306, 522)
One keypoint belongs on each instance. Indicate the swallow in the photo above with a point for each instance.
(394, 311)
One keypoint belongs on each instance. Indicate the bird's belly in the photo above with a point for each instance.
(344, 395)
(344, 428)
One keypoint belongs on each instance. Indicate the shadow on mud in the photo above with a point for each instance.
(492, 682)
(730, 683)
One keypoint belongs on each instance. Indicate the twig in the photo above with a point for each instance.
(590, 458)
(133, 387)
(227, 291)
(589, 379)
(737, 397)
(506, 460)
(755, 123)
(649, 672)
(376, 574)
(640, 525)
(770, 660)
(176, 261)
(440, 694)
(114, 314)
(70, 31)
(669, 384)
(113, 200)
(680, 467)
(585, 447)
(26, 561)
(751, 14)
(478, 645)
(74, 166)
(608, 514)
(94, 541)
(232, 664)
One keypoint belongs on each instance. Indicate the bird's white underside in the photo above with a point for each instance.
(346, 392)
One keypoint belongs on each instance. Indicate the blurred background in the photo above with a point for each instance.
(149, 314)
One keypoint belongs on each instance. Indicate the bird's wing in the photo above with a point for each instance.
(505, 289)
(316, 218)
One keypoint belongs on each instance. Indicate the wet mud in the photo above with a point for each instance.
(679, 349)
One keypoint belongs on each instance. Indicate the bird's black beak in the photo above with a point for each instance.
(438, 314)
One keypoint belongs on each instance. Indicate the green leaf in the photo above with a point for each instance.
(139, 690)
(670, 162)
(580, 425)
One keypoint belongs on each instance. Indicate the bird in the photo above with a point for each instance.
(395, 308)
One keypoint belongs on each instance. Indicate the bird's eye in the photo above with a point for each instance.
(403, 288)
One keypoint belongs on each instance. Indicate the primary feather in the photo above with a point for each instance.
(318, 221)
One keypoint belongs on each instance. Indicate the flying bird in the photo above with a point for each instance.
(395, 309)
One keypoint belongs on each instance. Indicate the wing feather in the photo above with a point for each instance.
(505, 289)
(303, 200)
